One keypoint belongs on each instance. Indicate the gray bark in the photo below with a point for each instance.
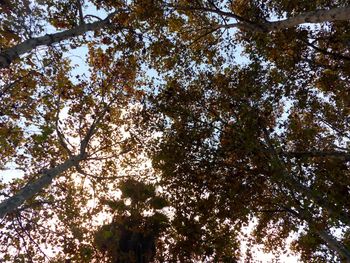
(318, 16)
(317, 198)
(314, 17)
(31, 189)
(319, 154)
(331, 242)
(334, 244)
(9, 55)
(12, 203)
(296, 185)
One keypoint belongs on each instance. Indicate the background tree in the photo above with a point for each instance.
(222, 143)
(132, 235)
(261, 138)
(274, 114)
(73, 126)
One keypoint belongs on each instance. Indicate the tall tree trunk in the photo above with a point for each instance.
(331, 242)
(11, 204)
(287, 178)
(334, 244)
(318, 16)
(31, 189)
(314, 196)
(9, 55)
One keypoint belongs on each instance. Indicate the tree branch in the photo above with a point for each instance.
(62, 140)
(11, 204)
(9, 55)
(242, 22)
(331, 242)
(325, 52)
(311, 154)
(317, 16)
(287, 178)
(80, 12)
(45, 178)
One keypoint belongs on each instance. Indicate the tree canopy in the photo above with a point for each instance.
(157, 130)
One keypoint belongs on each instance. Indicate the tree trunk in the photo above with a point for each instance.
(317, 198)
(285, 177)
(334, 244)
(318, 16)
(331, 242)
(9, 55)
(321, 154)
(11, 204)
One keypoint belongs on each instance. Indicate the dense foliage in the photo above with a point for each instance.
(157, 130)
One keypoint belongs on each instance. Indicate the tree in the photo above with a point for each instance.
(132, 236)
(220, 144)
(71, 126)
(265, 141)
(261, 133)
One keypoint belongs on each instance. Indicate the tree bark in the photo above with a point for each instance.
(334, 244)
(318, 16)
(317, 198)
(9, 55)
(11, 204)
(298, 186)
(319, 154)
(331, 242)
